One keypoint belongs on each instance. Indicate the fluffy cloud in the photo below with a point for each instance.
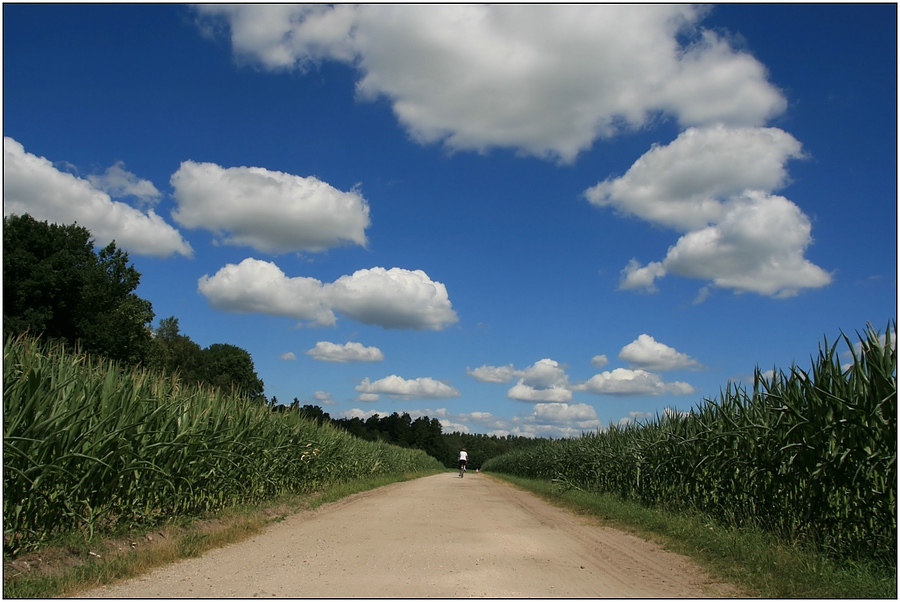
(579, 415)
(271, 211)
(324, 398)
(361, 414)
(758, 248)
(32, 185)
(624, 382)
(400, 388)
(287, 356)
(598, 361)
(522, 392)
(715, 184)
(685, 185)
(645, 352)
(545, 380)
(349, 352)
(546, 80)
(492, 374)
(394, 298)
(255, 286)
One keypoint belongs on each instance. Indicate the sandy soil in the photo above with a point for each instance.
(439, 536)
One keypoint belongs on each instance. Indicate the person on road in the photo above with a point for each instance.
(463, 458)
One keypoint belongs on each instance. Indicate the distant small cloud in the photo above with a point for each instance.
(645, 352)
(118, 182)
(635, 417)
(324, 398)
(349, 352)
(624, 382)
(287, 356)
(545, 380)
(492, 374)
(401, 388)
(598, 361)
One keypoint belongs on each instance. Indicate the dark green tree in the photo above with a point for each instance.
(175, 352)
(228, 366)
(314, 412)
(55, 285)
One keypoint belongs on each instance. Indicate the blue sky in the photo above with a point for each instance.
(530, 220)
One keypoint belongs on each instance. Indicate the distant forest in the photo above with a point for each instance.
(422, 433)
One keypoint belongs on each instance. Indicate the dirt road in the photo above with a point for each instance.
(439, 536)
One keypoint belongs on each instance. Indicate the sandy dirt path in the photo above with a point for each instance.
(438, 536)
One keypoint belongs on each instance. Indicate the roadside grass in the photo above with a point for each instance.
(754, 561)
(73, 563)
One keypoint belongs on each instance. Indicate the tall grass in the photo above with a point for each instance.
(89, 446)
(810, 456)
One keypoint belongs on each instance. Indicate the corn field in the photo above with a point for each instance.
(87, 446)
(810, 456)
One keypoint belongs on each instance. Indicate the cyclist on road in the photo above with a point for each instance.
(463, 458)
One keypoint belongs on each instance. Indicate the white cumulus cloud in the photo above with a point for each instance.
(401, 388)
(598, 361)
(522, 392)
(715, 184)
(348, 352)
(32, 185)
(546, 80)
(270, 211)
(492, 374)
(394, 298)
(577, 415)
(256, 286)
(545, 380)
(686, 184)
(624, 382)
(647, 353)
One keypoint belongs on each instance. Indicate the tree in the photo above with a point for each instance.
(174, 352)
(228, 366)
(313, 412)
(54, 284)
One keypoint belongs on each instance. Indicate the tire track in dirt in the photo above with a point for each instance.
(438, 536)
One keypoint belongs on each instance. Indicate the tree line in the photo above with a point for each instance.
(422, 433)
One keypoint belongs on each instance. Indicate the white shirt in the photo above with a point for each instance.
(463, 456)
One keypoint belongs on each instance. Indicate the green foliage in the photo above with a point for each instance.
(482, 448)
(56, 285)
(229, 366)
(398, 429)
(219, 365)
(174, 352)
(809, 456)
(89, 446)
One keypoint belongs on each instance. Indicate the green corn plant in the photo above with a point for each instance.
(809, 455)
(88, 446)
